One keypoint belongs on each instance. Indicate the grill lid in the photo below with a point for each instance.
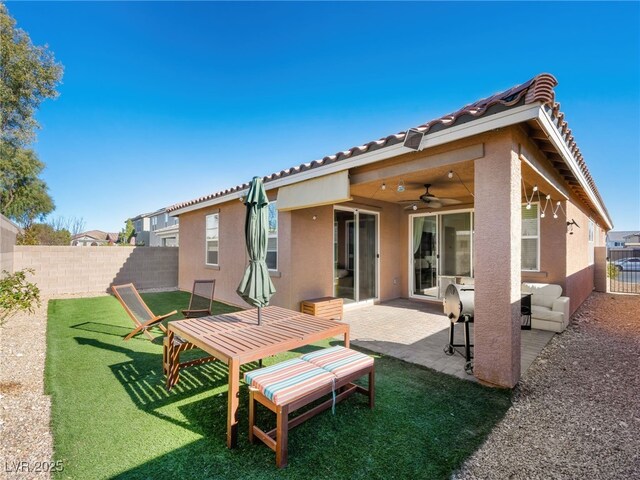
(458, 302)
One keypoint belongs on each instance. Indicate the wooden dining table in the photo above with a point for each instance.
(237, 338)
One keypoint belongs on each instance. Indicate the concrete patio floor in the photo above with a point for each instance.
(418, 331)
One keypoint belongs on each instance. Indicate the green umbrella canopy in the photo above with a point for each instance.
(256, 287)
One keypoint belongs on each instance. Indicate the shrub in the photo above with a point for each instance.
(17, 294)
(612, 271)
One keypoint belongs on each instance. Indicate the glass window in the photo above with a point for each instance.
(154, 223)
(212, 239)
(272, 239)
(530, 237)
(591, 246)
(455, 244)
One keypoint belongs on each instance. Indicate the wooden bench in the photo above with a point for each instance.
(290, 385)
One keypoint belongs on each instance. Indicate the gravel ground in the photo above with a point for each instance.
(26, 444)
(25, 434)
(576, 412)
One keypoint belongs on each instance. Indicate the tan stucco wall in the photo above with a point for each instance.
(305, 252)
(564, 258)
(553, 250)
(600, 272)
(497, 264)
(580, 273)
(232, 254)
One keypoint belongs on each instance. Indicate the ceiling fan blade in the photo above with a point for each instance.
(409, 201)
(449, 201)
(419, 206)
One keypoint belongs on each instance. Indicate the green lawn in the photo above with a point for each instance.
(112, 417)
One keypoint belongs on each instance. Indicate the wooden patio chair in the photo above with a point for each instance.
(201, 301)
(144, 319)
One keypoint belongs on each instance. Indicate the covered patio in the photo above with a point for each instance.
(417, 331)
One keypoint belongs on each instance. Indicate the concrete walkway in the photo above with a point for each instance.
(418, 331)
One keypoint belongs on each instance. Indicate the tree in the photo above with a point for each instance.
(28, 76)
(56, 231)
(23, 195)
(127, 233)
(44, 234)
(74, 225)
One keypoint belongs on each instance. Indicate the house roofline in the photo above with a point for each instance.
(525, 102)
(549, 127)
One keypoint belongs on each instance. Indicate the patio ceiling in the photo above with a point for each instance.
(441, 185)
(444, 187)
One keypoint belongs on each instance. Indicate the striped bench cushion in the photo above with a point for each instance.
(288, 380)
(340, 361)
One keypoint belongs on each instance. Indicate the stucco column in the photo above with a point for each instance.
(497, 267)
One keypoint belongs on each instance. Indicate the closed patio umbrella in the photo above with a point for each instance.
(256, 287)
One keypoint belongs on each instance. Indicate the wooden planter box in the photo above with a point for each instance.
(325, 307)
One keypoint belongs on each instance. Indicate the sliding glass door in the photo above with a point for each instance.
(355, 247)
(441, 251)
(425, 257)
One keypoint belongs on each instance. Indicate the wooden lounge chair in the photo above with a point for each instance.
(142, 316)
(144, 319)
(201, 300)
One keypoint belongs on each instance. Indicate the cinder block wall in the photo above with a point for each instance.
(60, 270)
(8, 232)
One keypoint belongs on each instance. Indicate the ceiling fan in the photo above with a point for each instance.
(428, 200)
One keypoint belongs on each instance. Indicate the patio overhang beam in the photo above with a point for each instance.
(451, 157)
(544, 172)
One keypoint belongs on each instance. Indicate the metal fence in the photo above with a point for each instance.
(623, 271)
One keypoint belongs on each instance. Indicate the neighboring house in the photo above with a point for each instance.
(514, 201)
(622, 239)
(142, 226)
(164, 229)
(93, 238)
(156, 229)
(632, 240)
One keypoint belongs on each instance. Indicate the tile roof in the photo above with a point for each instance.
(96, 234)
(538, 89)
(619, 236)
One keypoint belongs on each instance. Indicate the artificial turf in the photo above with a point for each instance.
(112, 417)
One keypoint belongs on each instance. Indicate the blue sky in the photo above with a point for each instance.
(164, 102)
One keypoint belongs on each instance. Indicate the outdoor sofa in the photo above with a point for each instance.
(549, 309)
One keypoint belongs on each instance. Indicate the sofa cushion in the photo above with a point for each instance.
(543, 294)
(544, 313)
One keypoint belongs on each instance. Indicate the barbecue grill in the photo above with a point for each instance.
(458, 307)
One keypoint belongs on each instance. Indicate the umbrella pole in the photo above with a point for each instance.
(259, 315)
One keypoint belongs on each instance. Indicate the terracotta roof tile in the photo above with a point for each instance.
(538, 89)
